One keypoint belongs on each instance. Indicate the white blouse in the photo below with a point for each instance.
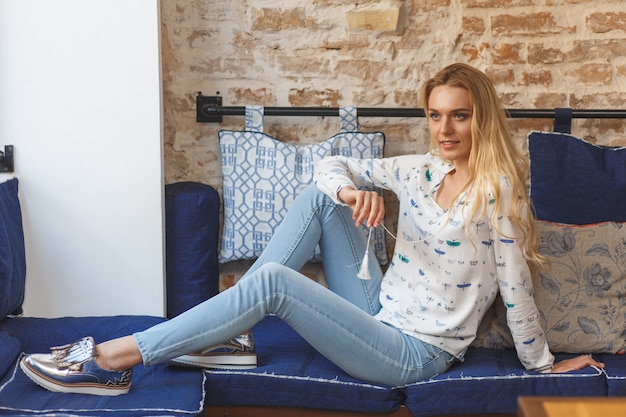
(441, 281)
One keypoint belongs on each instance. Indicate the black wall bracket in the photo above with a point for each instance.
(6, 159)
(204, 104)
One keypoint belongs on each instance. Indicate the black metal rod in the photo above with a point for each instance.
(216, 111)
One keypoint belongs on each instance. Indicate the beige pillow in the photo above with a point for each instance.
(581, 292)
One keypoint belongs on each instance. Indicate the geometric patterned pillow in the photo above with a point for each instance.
(581, 292)
(262, 176)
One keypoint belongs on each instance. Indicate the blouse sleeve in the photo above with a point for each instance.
(335, 172)
(516, 289)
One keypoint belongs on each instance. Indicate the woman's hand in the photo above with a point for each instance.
(367, 206)
(573, 364)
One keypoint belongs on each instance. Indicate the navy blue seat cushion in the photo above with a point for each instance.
(10, 349)
(192, 213)
(292, 374)
(615, 369)
(576, 182)
(12, 256)
(490, 381)
(157, 390)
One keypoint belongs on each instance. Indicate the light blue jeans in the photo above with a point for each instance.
(337, 321)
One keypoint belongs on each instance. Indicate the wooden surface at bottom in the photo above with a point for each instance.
(571, 406)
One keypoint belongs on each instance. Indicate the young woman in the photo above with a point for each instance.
(465, 233)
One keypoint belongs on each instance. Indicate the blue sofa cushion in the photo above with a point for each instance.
(576, 182)
(615, 369)
(12, 257)
(157, 390)
(490, 381)
(192, 212)
(10, 349)
(292, 374)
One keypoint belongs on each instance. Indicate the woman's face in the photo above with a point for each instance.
(449, 120)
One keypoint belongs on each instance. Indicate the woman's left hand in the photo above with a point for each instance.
(573, 364)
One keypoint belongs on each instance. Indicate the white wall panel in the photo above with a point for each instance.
(80, 99)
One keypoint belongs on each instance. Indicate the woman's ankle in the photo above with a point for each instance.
(118, 354)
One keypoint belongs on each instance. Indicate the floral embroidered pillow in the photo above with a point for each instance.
(581, 292)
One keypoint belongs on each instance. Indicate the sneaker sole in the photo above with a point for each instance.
(230, 361)
(78, 388)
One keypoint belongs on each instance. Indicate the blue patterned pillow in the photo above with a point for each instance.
(576, 182)
(263, 175)
(12, 252)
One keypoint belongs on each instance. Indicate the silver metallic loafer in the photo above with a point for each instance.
(237, 353)
(72, 369)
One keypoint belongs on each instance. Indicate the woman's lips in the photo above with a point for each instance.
(448, 144)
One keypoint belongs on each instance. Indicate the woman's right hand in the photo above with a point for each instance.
(367, 206)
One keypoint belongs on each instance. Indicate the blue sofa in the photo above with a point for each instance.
(293, 379)
(581, 313)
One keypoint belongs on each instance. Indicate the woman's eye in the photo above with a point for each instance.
(460, 116)
(434, 116)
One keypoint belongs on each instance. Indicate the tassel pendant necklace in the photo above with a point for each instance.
(364, 272)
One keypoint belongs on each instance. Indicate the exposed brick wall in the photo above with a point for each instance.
(539, 54)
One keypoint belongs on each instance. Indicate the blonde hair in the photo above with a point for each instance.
(492, 154)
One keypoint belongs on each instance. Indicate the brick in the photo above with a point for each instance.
(603, 126)
(372, 96)
(362, 69)
(500, 76)
(617, 142)
(539, 54)
(550, 100)
(276, 20)
(223, 66)
(306, 97)
(378, 17)
(592, 74)
(607, 100)
(304, 65)
(541, 77)
(247, 96)
(473, 25)
(521, 127)
(415, 8)
(472, 52)
(581, 51)
(227, 281)
(507, 53)
(352, 42)
(606, 22)
(509, 100)
(412, 38)
(501, 4)
(527, 24)
(405, 98)
(570, 2)
(597, 49)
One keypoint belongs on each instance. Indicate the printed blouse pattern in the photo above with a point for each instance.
(441, 280)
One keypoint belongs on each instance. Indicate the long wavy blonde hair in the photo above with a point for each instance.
(492, 154)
